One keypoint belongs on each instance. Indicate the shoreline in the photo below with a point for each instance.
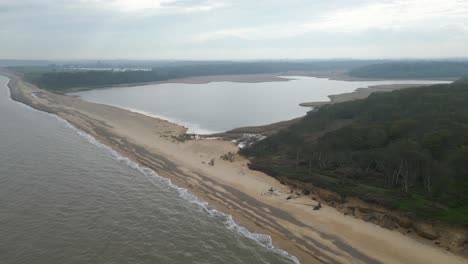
(342, 75)
(251, 78)
(361, 93)
(230, 187)
(239, 78)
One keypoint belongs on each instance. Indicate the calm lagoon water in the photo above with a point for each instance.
(66, 199)
(220, 106)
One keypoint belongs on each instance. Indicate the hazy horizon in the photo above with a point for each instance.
(113, 59)
(232, 30)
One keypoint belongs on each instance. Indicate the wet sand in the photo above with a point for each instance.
(324, 236)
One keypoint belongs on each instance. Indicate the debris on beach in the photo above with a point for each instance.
(317, 207)
(212, 162)
(228, 156)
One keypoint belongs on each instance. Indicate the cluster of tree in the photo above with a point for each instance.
(63, 80)
(412, 69)
(405, 149)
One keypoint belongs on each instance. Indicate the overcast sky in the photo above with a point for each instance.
(232, 29)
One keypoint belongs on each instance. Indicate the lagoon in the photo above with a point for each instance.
(221, 106)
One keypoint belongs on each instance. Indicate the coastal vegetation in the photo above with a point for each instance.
(406, 149)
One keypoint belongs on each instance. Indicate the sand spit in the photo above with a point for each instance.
(323, 236)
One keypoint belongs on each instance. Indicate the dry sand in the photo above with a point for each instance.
(324, 236)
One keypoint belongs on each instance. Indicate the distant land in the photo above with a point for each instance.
(67, 75)
(62, 78)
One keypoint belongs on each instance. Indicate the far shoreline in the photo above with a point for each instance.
(361, 93)
(252, 78)
(241, 78)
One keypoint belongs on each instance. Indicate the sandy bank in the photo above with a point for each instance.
(241, 78)
(342, 75)
(324, 236)
(361, 93)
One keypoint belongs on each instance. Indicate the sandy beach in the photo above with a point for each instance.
(323, 236)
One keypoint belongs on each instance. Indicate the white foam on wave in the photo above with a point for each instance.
(228, 221)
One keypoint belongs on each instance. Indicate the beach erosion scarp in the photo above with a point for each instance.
(324, 236)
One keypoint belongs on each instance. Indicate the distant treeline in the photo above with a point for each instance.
(55, 78)
(63, 80)
(413, 69)
(406, 149)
